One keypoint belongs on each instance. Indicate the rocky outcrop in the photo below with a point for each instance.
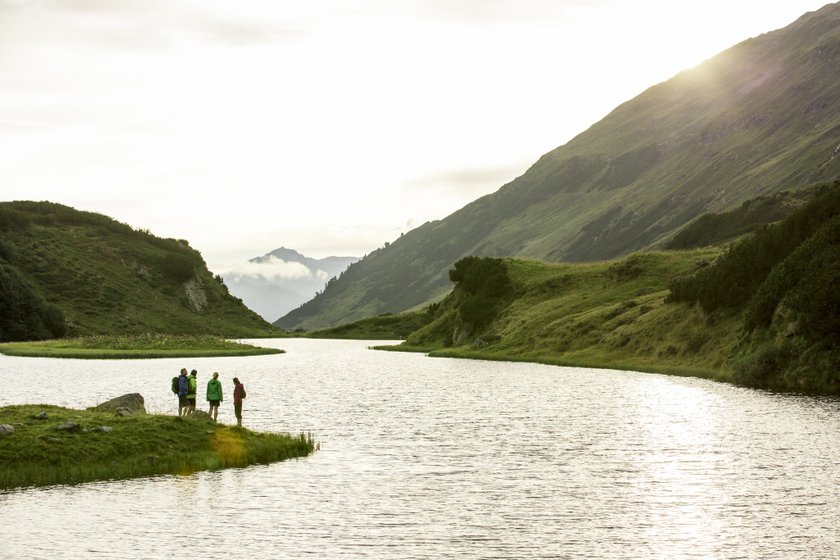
(196, 296)
(126, 405)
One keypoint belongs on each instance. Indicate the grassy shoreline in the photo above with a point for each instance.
(625, 365)
(147, 346)
(38, 453)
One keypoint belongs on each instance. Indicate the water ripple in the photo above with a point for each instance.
(438, 458)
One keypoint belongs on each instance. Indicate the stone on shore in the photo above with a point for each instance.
(69, 426)
(126, 405)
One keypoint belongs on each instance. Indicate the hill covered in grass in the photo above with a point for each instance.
(758, 118)
(64, 272)
(762, 312)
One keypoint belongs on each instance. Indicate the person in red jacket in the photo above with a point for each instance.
(238, 395)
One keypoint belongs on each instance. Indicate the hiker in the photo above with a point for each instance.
(214, 395)
(183, 389)
(238, 395)
(193, 390)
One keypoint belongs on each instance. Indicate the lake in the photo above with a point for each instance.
(440, 458)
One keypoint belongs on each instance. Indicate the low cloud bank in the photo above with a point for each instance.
(272, 269)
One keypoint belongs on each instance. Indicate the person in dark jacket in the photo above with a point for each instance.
(238, 395)
(183, 389)
(214, 395)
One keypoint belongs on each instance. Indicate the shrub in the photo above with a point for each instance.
(486, 286)
(24, 314)
(737, 276)
(758, 369)
(178, 267)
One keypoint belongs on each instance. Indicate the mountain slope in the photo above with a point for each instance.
(761, 116)
(84, 273)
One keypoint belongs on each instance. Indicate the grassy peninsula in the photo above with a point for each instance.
(763, 311)
(105, 446)
(135, 347)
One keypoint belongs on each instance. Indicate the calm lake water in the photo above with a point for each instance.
(438, 458)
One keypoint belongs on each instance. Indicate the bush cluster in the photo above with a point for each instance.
(738, 275)
(486, 287)
(24, 314)
(787, 273)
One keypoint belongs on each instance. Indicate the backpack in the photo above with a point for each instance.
(175, 385)
(243, 391)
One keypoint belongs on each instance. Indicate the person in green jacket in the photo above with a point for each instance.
(214, 395)
(193, 389)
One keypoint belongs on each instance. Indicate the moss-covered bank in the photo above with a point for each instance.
(105, 446)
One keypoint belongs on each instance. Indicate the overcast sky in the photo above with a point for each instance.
(326, 126)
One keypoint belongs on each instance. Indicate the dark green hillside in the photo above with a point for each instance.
(714, 229)
(66, 272)
(784, 279)
(760, 117)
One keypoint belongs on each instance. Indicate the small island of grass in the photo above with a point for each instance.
(55, 445)
(135, 347)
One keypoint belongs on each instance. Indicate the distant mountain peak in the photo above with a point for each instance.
(281, 280)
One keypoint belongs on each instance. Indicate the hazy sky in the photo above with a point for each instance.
(326, 126)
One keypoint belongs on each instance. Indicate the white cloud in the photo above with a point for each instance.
(272, 270)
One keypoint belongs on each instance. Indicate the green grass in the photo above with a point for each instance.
(38, 454)
(135, 347)
(605, 315)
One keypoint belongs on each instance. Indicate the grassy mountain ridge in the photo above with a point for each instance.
(94, 275)
(761, 116)
(763, 311)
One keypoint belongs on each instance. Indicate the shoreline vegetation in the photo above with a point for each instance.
(135, 347)
(57, 445)
(623, 364)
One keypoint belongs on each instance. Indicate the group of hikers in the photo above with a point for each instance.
(186, 387)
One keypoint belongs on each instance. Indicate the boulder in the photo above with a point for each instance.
(6, 429)
(203, 414)
(69, 426)
(105, 429)
(126, 405)
(41, 415)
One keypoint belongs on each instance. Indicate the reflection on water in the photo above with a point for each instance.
(438, 458)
